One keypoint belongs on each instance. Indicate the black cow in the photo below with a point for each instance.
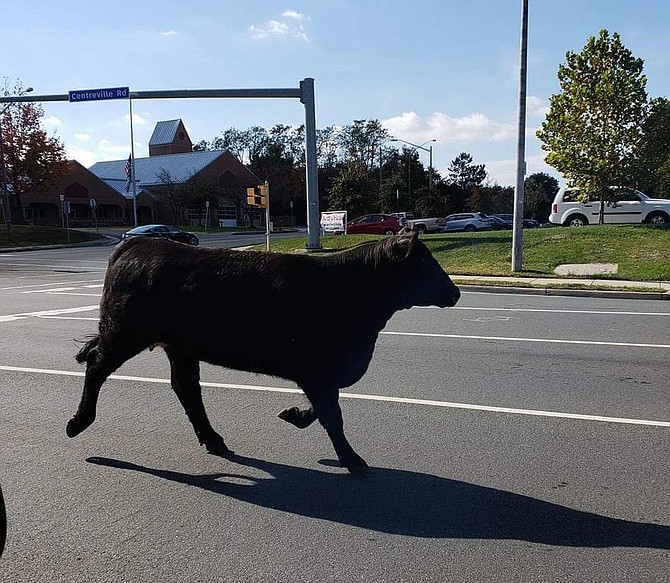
(310, 319)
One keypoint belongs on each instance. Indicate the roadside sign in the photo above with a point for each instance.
(98, 94)
(62, 197)
(335, 221)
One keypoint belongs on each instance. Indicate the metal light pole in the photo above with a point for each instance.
(430, 163)
(517, 234)
(6, 208)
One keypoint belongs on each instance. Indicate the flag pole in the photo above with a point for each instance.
(132, 163)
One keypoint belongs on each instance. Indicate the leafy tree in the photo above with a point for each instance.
(33, 161)
(392, 193)
(351, 189)
(594, 126)
(361, 141)
(429, 202)
(654, 151)
(539, 192)
(177, 196)
(463, 176)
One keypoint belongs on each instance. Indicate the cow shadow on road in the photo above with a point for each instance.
(415, 504)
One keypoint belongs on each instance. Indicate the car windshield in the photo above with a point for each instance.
(142, 229)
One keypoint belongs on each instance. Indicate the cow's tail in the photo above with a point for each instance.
(85, 350)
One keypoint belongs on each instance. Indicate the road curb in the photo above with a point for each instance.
(615, 294)
(108, 240)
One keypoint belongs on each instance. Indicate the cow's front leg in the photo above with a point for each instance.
(301, 418)
(185, 380)
(102, 358)
(327, 410)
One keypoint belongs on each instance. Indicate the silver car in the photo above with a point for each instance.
(468, 222)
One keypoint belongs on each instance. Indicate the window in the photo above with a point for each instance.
(226, 212)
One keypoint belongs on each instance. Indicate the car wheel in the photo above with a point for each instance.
(422, 229)
(469, 228)
(389, 232)
(576, 221)
(192, 240)
(658, 219)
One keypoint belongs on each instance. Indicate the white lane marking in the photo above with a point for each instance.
(42, 266)
(46, 291)
(517, 339)
(68, 318)
(50, 293)
(363, 397)
(47, 284)
(14, 317)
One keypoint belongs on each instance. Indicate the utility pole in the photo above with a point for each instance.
(517, 234)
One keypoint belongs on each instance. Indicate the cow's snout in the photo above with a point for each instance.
(455, 295)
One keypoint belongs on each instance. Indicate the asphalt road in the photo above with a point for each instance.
(512, 438)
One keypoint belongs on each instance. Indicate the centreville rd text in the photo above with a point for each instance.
(99, 94)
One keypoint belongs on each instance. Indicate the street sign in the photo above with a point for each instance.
(98, 94)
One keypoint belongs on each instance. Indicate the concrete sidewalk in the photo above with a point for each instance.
(611, 288)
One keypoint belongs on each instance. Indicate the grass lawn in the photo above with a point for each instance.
(641, 251)
(24, 236)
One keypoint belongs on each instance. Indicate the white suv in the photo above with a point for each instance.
(631, 206)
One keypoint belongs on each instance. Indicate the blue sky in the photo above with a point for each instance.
(428, 69)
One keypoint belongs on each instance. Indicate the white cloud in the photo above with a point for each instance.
(86, 157)
(472, 128)
(109, 148)
(289, 25)
(504, 171)
(137, 119)
(82, 137)
(124, 120)
(536, 106)
(294, 15)
(168, 32)
(52, 121)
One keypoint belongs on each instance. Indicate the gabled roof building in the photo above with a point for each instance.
(159, 183)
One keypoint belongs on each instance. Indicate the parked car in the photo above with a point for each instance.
(527, 223)
(468, 222)
(501, 224)
(631, 206)
(403, 216)
(431, 225)
(378, 224)
(163, 232)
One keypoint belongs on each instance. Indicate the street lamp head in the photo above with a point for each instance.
(28, 90)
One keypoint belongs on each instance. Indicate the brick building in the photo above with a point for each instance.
(160, 182)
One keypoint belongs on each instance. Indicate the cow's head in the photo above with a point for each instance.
(417, 275)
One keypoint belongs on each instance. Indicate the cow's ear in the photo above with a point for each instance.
(403, 243)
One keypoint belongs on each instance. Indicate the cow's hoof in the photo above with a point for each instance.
(76, 425)
(219, 448)
(359, 471)
(296, 416)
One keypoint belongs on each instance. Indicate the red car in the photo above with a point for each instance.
(374, 225)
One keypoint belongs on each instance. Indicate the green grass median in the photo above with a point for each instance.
(641, 251)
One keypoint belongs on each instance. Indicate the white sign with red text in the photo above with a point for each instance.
(334, 222)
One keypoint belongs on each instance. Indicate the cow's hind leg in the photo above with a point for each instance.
(102, 358)
(327, 409)
(185, 379)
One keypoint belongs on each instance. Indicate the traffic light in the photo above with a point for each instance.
(252, 200)
(265, 195)
(257, 196)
